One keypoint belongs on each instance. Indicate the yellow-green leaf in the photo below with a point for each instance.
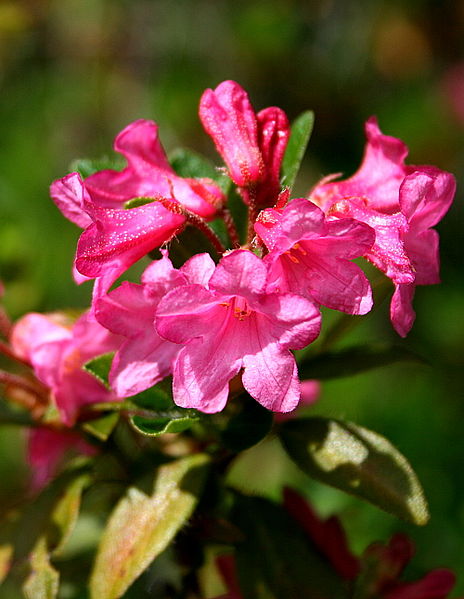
(142, 525)
(43, 581)
(66, 511)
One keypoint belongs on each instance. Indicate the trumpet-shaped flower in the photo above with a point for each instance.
(252, 145)
(232, 324)
(116, 237)
(310, 255)
(57, 352)
(149, 175)
(401, 203)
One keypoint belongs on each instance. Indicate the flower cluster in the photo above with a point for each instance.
(206, 323)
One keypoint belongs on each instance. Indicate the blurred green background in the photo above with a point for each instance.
(75, 72)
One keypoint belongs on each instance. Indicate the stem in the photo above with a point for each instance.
(252, 211)
(5, 324)
(231, 228)
(7, 351)
(196, 221)
(30, 395)
(13, 379)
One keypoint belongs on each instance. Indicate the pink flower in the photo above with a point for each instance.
(57, 353)
(387, 562)
(310, 255)
(145, 358)
(46, 450)
(235, 324)
(115, 238)
(149, 175)
(425, 197)
(401, 203)
(251, 145)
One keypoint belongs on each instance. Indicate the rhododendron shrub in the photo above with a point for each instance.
(136, 410)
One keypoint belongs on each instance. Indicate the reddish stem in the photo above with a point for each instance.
(8, 351)
(231, 228)
(5, 324)
(250, 195)
(196, 221)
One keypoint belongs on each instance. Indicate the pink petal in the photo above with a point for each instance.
(126, 311)
(139, 143)
(199, 269)
(229, 118)
(149, 175)
(378, 178)
(33, 330)
(187, 312)
(202, 373)
(435, 585)
(426, 195)
(339, 285)
(300, 219)
(423, 251)
(388, 252)
(239, 273)
(271, 375)
(141, 363)
(292, 320)
(160, 277)
(46, 449)
(118, 238)
(69, 195)
(402, 314)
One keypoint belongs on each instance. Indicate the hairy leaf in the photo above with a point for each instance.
(174, 422)
(100, 367)
(43, 581)
(357, 461)
(142, 526)
(101, 428)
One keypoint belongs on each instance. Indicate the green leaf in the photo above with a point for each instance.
(142, 526)
(43, 581)
(248, 427)
(276, 560)
(188, 243)
(88, 166)
(156, 398)
(301, 132)
(173, 423)
(353, 360)
(101, 428)
(357, 461)
(100, 367)
(136, 202)
(191, 165)
(66, 512)
(6, 554)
